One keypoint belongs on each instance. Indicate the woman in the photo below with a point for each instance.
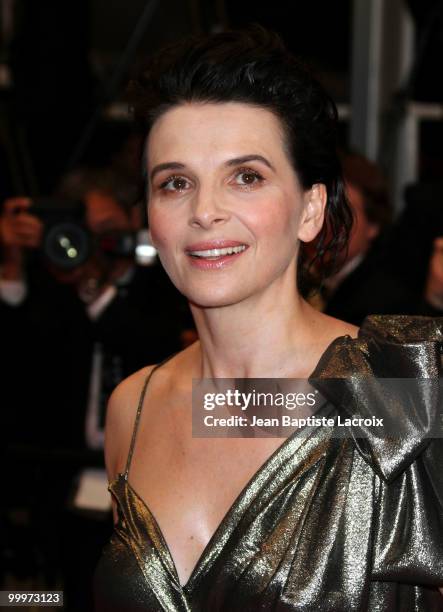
(242, 169)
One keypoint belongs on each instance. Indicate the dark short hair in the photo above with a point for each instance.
(252, 66)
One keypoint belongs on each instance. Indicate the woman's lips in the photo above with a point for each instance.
(215, 243)
(215, 254)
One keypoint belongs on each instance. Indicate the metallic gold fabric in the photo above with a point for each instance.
(325, 525)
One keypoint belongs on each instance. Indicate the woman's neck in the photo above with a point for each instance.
(267, 338)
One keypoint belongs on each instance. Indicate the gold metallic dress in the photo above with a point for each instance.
(326, 524)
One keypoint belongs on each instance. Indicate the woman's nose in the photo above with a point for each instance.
(207, 210)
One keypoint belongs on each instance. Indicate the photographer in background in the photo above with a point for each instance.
(391, 267)
(419, 238)
(349, 294)
(62, 316)
(69, 337)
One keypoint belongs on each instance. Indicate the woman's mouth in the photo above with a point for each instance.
(216, 257)
(215, 253)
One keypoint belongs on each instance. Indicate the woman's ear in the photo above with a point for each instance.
(313, 214)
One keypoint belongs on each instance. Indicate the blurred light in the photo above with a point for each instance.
(145, 252)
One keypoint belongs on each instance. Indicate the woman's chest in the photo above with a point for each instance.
(190, 484)
(299, 532)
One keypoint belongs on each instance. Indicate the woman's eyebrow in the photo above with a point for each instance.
(244, 159)
(166, 166)
(236, 161)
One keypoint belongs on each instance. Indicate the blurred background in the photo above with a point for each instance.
(83, 299)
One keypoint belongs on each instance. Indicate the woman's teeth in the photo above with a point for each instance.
(218, 252)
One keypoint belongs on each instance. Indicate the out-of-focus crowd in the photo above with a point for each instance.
(70, 332)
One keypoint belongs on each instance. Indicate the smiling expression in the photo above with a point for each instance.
(219, 177)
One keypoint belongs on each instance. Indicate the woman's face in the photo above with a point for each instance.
(219, 178)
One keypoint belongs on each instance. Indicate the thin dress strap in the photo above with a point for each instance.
(139, 411)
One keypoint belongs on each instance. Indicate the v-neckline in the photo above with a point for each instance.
(199, 565)
(187, 587)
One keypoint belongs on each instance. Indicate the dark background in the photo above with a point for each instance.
(69, 60)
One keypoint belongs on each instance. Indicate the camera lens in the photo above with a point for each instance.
(66, 245)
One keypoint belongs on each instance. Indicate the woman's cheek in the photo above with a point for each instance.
(156, 237)
(272, 222)
(162, 236)
(158, 228)
(164, 249)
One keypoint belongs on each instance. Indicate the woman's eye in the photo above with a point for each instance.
(248, 178)
(174, 183)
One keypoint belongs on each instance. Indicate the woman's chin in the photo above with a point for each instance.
(214, 298)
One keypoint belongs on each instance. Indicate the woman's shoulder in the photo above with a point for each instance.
(122, 406)
(120, 419)
(337, 327)
(126, 395)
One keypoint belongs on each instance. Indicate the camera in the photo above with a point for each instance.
(68, 243)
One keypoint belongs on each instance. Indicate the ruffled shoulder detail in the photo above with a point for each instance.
(391, 371)
(403, 328)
